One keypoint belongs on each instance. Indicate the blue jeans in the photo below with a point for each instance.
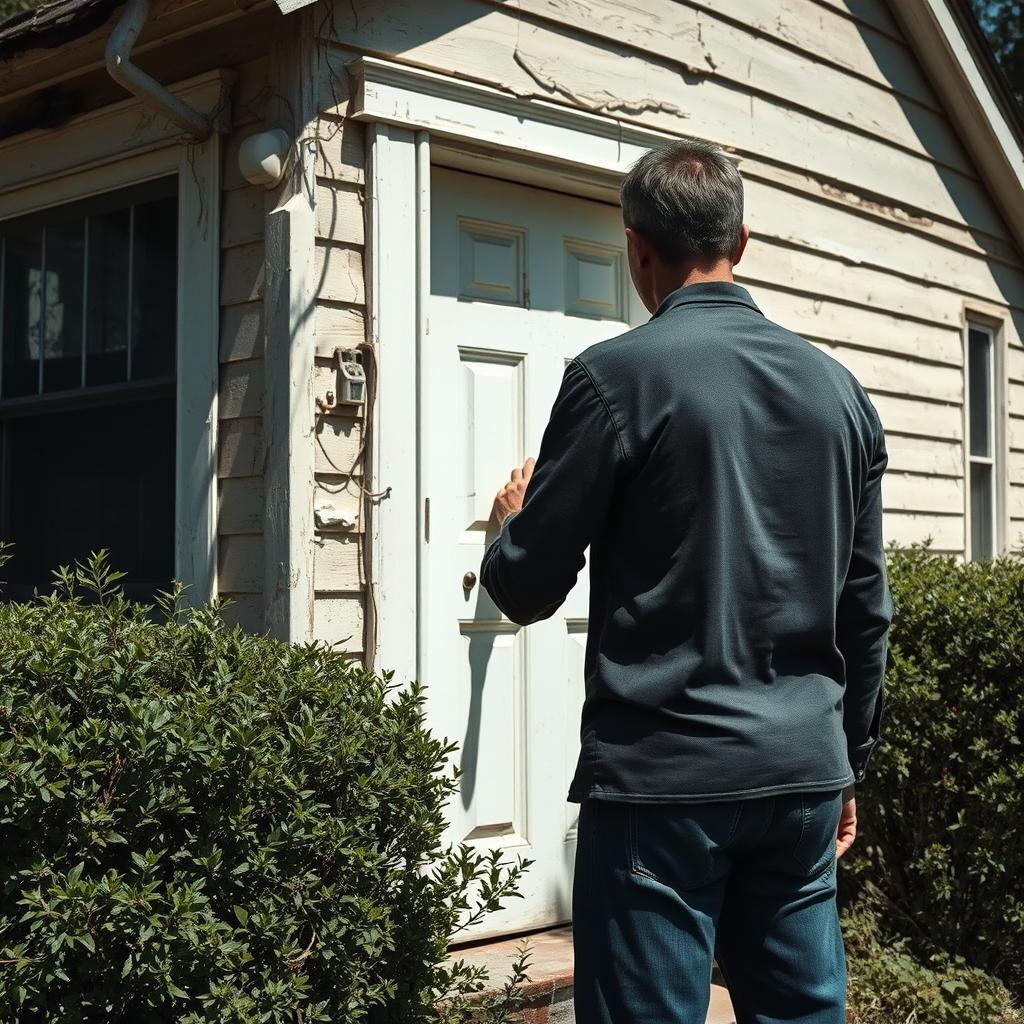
(660, 889)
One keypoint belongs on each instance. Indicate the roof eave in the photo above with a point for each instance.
(959, 64)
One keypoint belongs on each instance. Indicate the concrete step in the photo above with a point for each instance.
(549, 992)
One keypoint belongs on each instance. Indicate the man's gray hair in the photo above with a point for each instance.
(686, 200)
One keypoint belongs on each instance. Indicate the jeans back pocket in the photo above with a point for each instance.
(682, 846)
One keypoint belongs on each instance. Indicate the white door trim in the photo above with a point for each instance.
(397, 523)
(573, 142)
(411, 113)
(122, 145)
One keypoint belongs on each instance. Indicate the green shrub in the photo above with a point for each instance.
(891, 984)
(202, 825)
(943, 809)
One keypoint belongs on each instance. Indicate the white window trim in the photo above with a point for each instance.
(998, 461)
(415, 117)
(121, 145)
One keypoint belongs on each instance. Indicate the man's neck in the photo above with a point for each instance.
(675, 279)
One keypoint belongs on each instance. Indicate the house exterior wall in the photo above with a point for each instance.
(872, 231)
(340, 322)
(240, 449)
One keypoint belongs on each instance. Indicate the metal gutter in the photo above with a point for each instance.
(118, 56)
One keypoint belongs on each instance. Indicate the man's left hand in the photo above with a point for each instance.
(510, 498)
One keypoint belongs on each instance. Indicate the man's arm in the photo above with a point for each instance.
(862, 619)
(531, 566)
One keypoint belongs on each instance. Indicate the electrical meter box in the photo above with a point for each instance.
(352, 390)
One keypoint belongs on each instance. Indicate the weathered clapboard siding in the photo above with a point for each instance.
(340, 323)
(872, 233)
(702, 40)
(240, 513)
(531, 57)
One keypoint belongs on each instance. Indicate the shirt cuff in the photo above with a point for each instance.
(859, 757)
(508, 519)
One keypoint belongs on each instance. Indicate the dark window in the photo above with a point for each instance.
(981, 452)
(88, 299)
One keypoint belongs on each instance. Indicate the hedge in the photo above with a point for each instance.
(200, 825)
(942, 812)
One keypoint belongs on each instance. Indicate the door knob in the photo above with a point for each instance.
(469, 581)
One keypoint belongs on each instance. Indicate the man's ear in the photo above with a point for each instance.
(639, 250)
(741, 245)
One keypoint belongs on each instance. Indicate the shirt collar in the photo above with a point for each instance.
(707, 292)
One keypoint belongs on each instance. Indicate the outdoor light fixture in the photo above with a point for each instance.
(261, 157)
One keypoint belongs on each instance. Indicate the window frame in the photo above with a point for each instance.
(992, 327)
(102, 151)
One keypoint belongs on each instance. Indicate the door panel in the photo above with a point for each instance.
(522, 280)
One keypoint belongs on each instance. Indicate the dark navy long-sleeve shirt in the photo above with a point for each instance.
(726, 476)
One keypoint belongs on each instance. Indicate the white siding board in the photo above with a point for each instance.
(827, 233)
(898, 377)
(241, 389)
(242, 216)
(339, 212)
(337, 325)
(241, 332)
(1015, 496)
(926, 455)
(1015, 430)
(341, 144)
(240, 507)
(1014, 359)
(336, 563)
(338, 621)
(240, 564)
(793, 268)
(339, 273)
(240, 448)
(902, 415)
(946, 532)
(242, 272)
(818, 316)
(338, 439)
(914, 492)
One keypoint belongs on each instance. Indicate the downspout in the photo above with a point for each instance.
(119, 46)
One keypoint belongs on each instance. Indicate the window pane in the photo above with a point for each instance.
(23, 310)
(62, 346)
(107, 326)
(979, 348)
(89, 479)
(154, 291)
(982, 504)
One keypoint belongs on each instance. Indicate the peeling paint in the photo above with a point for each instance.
(885, 209)
(594, 103)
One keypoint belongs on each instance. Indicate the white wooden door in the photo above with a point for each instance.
(522, 279)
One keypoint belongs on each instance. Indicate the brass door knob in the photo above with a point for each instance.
(469, 581)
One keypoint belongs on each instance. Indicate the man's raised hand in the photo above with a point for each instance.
(510, 498)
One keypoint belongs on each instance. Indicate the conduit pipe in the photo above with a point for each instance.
(119, 47)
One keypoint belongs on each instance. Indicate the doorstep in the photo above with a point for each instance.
(548, 993)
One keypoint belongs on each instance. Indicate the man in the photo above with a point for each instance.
(725, 475)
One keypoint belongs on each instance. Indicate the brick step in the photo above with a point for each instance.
(549, 991)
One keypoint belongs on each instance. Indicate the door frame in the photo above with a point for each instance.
(120, 145)
(416, 118)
